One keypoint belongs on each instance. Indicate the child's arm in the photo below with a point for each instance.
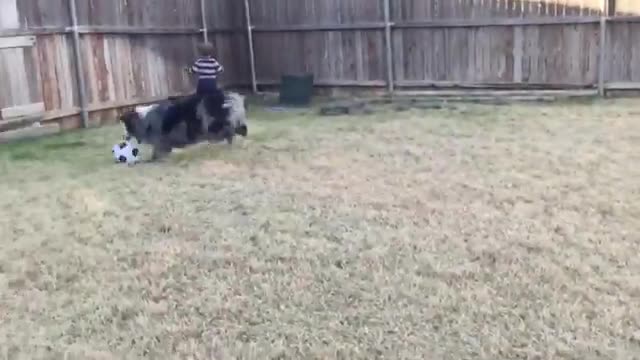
(193, 68)
(219, 67)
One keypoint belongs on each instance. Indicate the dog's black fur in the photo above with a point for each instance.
(180, 122)
(186, 110)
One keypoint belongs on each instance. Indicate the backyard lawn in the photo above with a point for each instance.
(473, 231)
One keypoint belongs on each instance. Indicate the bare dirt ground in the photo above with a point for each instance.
(474, 233)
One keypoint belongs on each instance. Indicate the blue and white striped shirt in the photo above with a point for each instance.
(207, 68)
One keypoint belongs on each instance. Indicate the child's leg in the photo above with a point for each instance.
(207, 86)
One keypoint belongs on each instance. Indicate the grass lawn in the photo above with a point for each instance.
(484, 232)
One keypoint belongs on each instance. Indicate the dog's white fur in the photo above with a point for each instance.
(238, 114)
(143, 110)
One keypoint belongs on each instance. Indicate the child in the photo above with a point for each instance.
(207, 69)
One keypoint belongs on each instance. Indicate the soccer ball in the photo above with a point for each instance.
(125, 152)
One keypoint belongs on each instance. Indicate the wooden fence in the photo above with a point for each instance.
(550, 44)
(65, 59)
(62, 58)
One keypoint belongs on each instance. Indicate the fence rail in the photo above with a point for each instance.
(132, 51)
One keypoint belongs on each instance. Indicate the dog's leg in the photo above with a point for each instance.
(171, 119)
(155, 156)
(192, 129)
(228, 134)
(159, 154)
(216, 126)
(160, 151)
(242, 130)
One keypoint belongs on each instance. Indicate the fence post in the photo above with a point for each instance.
(252, 57)
(81, 82)
(203, 15)
(602, 55)
(389, 49)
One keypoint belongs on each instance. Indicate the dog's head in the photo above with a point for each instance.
(130, 119)
(134, 122)
(237, 99)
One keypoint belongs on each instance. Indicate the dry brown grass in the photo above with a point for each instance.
(481, 232)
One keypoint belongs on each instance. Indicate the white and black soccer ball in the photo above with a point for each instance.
(125, 152)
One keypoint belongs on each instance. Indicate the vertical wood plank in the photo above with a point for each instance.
(252, 60)
(359, 56)
(399, 63)
(80, 74)
(388, 45)
(603, 48)
(518, 44)
(9, 17)
(203, 14)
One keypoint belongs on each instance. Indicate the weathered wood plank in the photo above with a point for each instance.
(479, 84)
(22, 110)
(131, 30)
(603, 49)
(498, 22)
(31, 132)
(518, 44)
(622, 86)
(20, 122)
(329, 83)
(9, 16)
(17, 42)
(15, 79)
(33, 31)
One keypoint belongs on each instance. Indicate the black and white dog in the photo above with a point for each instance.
(180, 122)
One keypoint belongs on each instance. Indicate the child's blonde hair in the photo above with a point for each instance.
(205, 49)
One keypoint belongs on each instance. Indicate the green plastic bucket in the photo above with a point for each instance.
(296, 89)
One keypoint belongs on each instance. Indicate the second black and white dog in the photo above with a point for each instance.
(180, 122)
